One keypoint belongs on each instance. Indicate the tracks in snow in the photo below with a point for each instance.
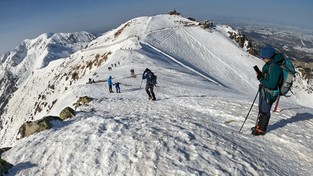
(182, 64)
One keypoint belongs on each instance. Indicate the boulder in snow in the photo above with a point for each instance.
(67, 113)
(82, 101)
(30, 128)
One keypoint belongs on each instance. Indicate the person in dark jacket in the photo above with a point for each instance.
(117, 87)
(147, 74)
(269, 81)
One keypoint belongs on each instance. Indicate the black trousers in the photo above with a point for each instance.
(265, 107)
(110, 89)
(149, 90)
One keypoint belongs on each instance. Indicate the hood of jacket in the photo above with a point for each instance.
(277, 58)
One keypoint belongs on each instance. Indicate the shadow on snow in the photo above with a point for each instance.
(19, 167)
(296, 118)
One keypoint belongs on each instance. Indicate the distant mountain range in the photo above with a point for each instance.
(293, 42)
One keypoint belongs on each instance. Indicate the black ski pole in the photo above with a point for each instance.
(140, 84)
(250, 109)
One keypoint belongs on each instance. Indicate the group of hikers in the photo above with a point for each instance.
(111, 84)
(150, 83)
(270, 79)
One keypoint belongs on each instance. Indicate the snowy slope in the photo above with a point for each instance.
(205, 88)
(37, 53)
(19, 64)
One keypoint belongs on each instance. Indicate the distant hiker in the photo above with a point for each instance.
(149, 75)
(110, 83)
(91, 81)
(117, 87)
(132, 73)
(269, 78)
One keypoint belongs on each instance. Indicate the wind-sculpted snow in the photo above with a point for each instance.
(219, 65)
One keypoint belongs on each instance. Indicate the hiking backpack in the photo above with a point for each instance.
(153, 79)
(287, 77)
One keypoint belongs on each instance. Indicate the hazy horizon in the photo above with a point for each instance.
(21, 20)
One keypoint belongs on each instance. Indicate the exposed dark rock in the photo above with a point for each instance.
(173, 12)
(82, 101)
(30, 128)
(67, 113)
(241, 39)
(206, 24)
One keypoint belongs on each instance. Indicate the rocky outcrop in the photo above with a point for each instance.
(207, 24)
(67, 113)
(30, 128)
(82, 101)
(305, 69)
(173, 12)
(7, 87)
(242, 41)
(306, 73)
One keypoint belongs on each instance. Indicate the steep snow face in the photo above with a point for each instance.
(206, 84)
(206, 54)
(302, 89)
(38, 53)
(199, 50)
(32, 55)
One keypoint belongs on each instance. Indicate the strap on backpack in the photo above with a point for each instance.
(272, 92)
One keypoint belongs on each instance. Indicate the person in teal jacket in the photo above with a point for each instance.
(270, 79)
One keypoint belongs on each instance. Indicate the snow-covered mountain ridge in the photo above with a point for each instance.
(33, 54)
(205, 87)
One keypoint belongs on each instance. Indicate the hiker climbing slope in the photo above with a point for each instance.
(151, 82)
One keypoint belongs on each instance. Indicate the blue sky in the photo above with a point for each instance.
(27, 19)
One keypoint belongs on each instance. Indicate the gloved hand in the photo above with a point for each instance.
(259, 77)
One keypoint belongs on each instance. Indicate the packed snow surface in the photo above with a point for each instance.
(206, 86)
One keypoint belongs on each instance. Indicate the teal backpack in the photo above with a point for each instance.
(287, 77)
